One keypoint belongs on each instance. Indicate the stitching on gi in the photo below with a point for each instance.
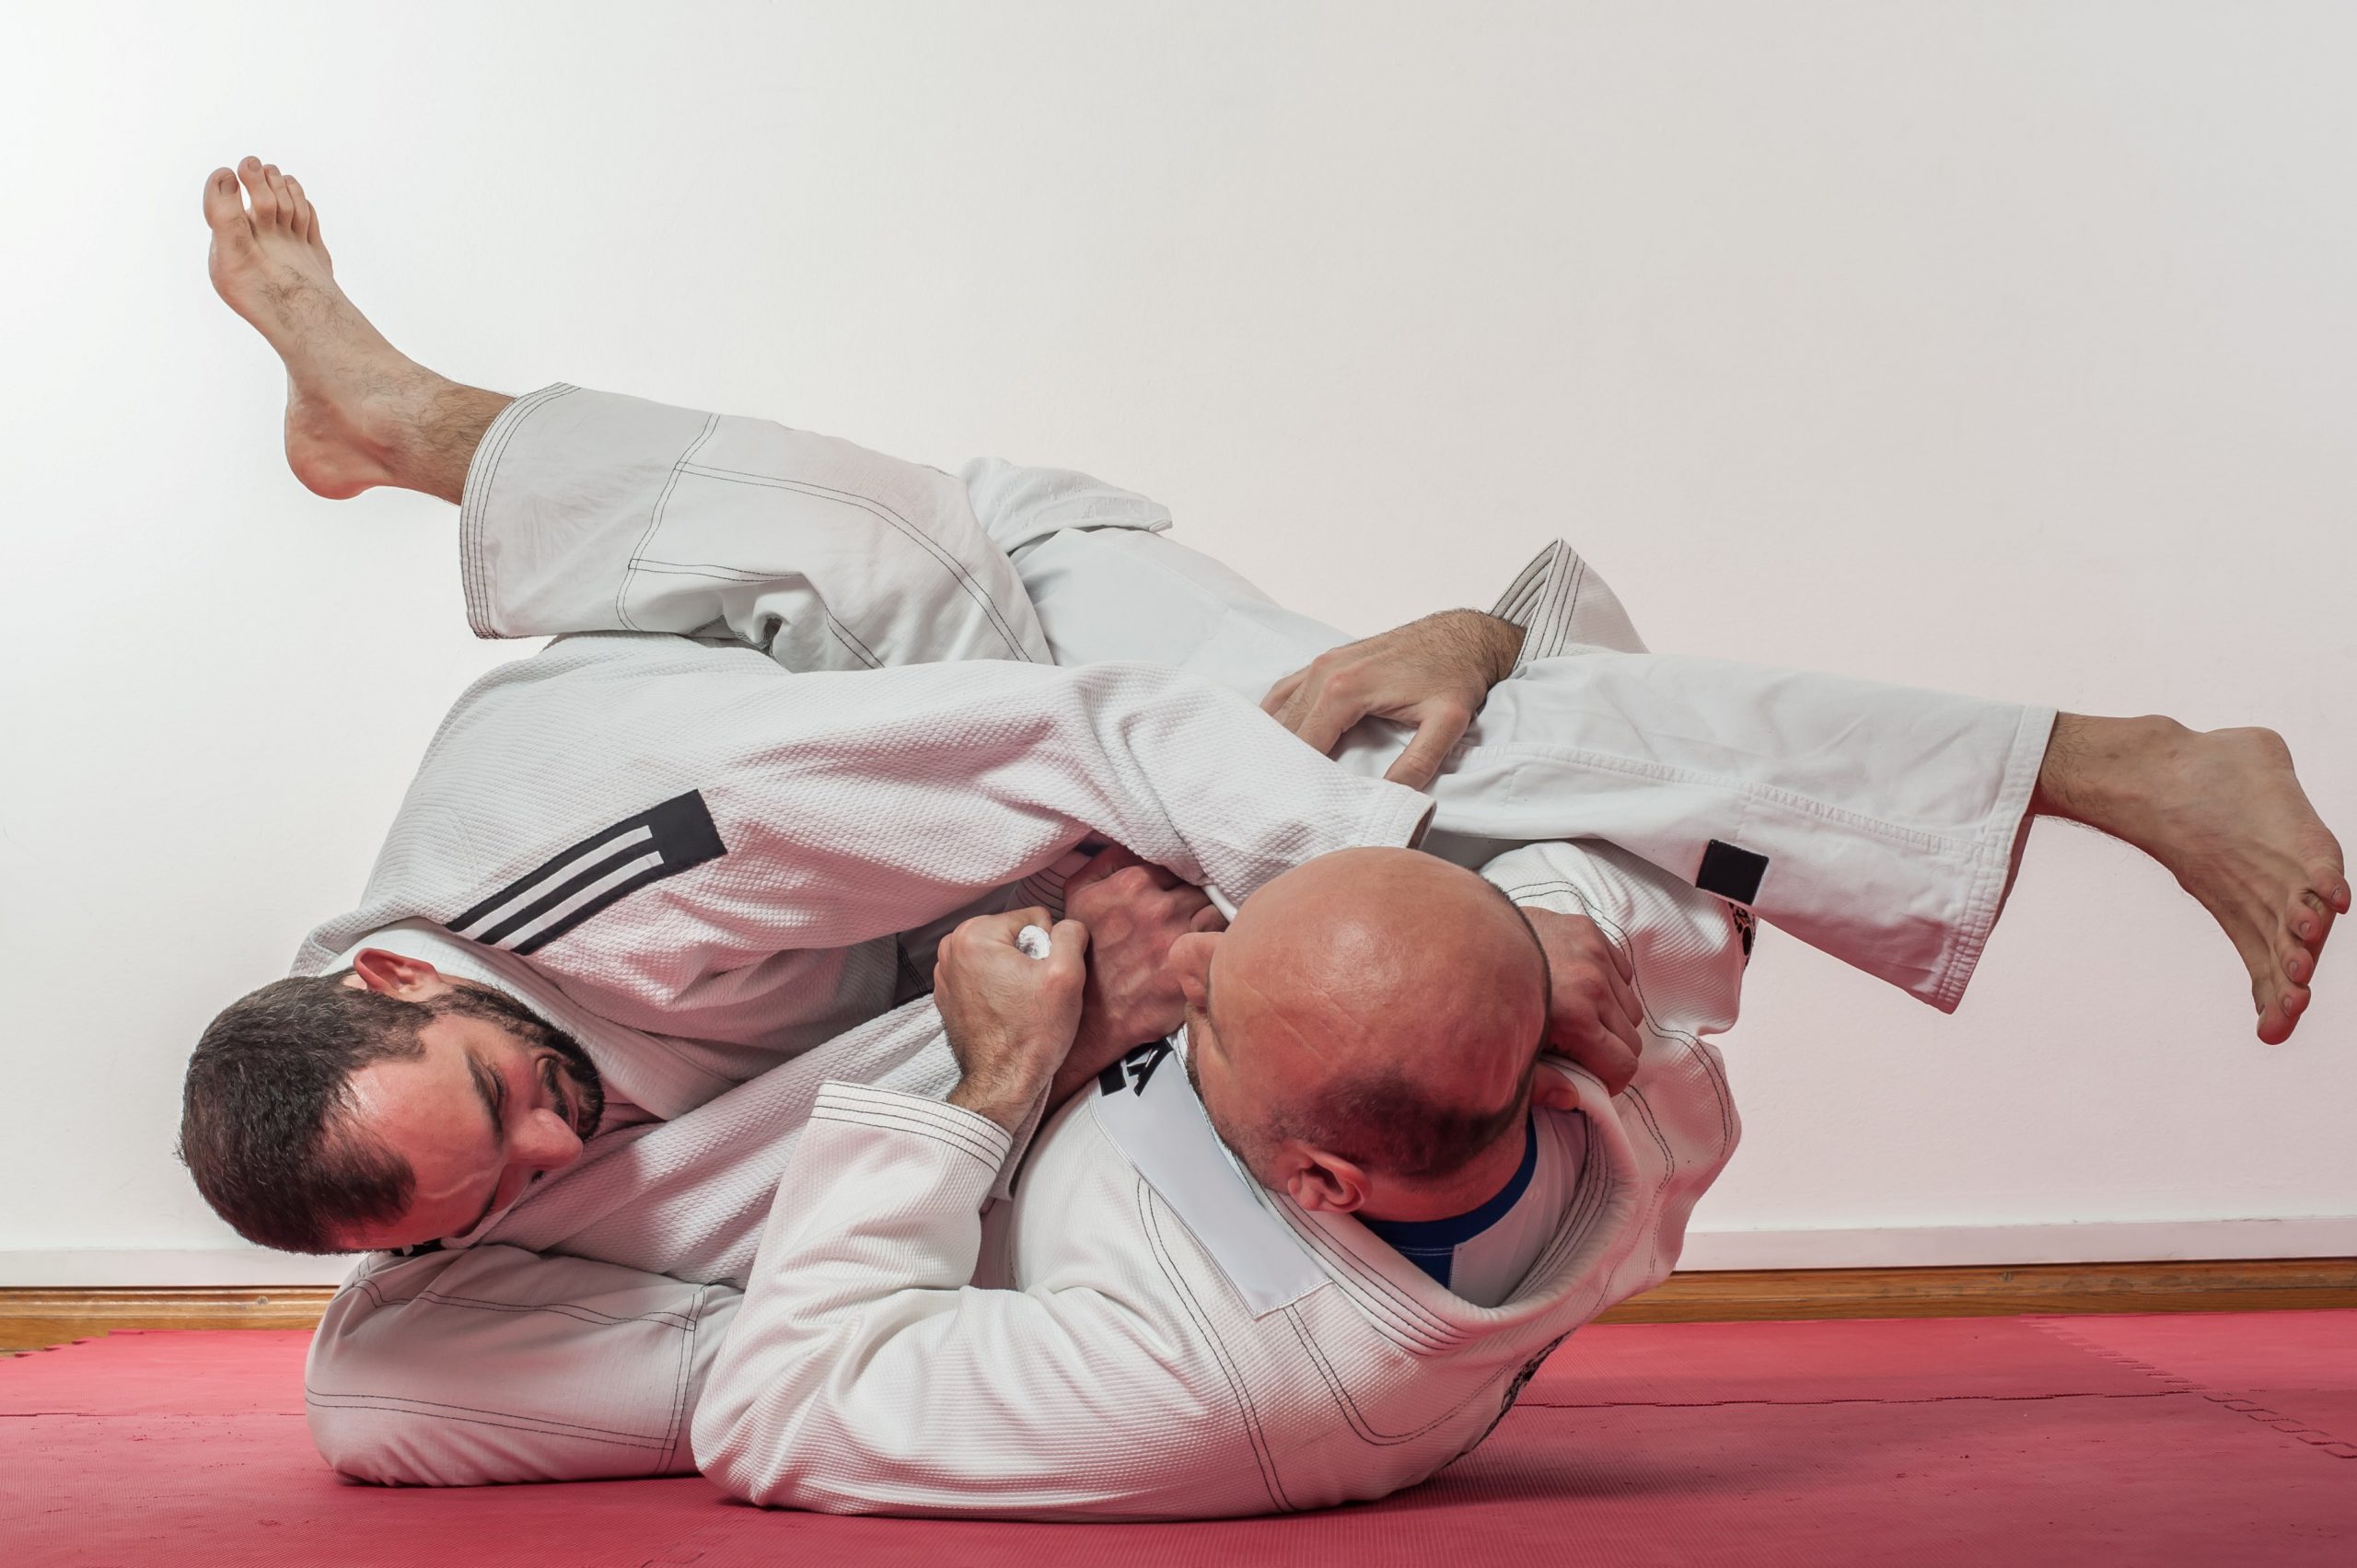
(1669, 1169)
(1590, 1195)
(671, 1433)
(471, 518)
(328, 1400)
(1967, 938)
(859, 650)
(1258, 1439)
(955, 568)
(515, 1423)
(655, 521)
(1357, 1418)
(667, 1318)
(1515, 603)
(1414, 1322)
(880, 1121)
(702, 569)
(1563, 585)
(1571, 611)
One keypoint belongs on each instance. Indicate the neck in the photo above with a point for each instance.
(1466, 1190)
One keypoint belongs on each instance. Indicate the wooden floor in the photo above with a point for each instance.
(33, 1318)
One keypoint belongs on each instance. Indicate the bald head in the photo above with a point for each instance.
(1379, 1005)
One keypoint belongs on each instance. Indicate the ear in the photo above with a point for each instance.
(1552, 1091)
(1190, 961)
(1316, 1179)
(394, 975)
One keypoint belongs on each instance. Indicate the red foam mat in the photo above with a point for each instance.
(1815, 1364)
(232, 1372)
(1931, 1443)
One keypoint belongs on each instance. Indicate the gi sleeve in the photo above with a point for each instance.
(864, 1374)
(587, 512)
(662, 818)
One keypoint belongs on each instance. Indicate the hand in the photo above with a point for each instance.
(1593, 1015)
(1010, 1017)
(1134, 913)
(1435, 673)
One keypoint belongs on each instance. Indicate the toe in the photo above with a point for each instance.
(2310, 922)
(280, 196)
(2331, 883)
(305, 222)
(259, 194)
(223, 210)
(2279, 1014)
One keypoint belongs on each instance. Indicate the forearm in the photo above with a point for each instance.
(858, 1303)
(998, 770)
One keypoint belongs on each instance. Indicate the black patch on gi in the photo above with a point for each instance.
(679, 834)
(1730, 873)
(1746, 927)
(1134, 1071)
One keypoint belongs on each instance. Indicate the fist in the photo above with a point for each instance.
(1593, 1015)
(1010, 1017)
(1134, 913)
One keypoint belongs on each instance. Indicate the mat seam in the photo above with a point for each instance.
(2289, 1427)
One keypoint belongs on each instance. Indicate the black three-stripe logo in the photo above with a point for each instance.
(594, 875)
(1134, 1071)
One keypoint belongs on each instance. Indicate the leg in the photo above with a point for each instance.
(1892, 821)
(584, 512)
(490, 1363)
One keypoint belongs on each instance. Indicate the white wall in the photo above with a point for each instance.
(2005, 348)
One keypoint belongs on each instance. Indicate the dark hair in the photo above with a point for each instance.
(1387, 1123)
(262, 1113)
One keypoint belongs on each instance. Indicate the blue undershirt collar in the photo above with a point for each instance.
(1431, 1244)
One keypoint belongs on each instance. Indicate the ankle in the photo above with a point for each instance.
(424, 428)
(2107, 772)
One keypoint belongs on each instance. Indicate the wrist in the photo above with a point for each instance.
(1501, 642)
(1006, 1103)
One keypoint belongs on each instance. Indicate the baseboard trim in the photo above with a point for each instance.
(32, 1318)
(1995, 1290)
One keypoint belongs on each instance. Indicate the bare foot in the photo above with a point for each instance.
(350, 394)
(2224, 812)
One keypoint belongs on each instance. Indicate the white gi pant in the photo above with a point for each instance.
(573, 1340)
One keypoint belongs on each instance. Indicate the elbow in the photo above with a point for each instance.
(742, 1453)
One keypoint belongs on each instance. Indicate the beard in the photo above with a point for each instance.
(498, 1008)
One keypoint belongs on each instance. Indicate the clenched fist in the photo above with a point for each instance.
(1133, 912)
(1010, 1017)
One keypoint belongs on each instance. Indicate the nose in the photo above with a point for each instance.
(545, 1141)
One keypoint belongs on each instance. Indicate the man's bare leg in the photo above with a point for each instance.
(359, 413)
(2224, 812)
